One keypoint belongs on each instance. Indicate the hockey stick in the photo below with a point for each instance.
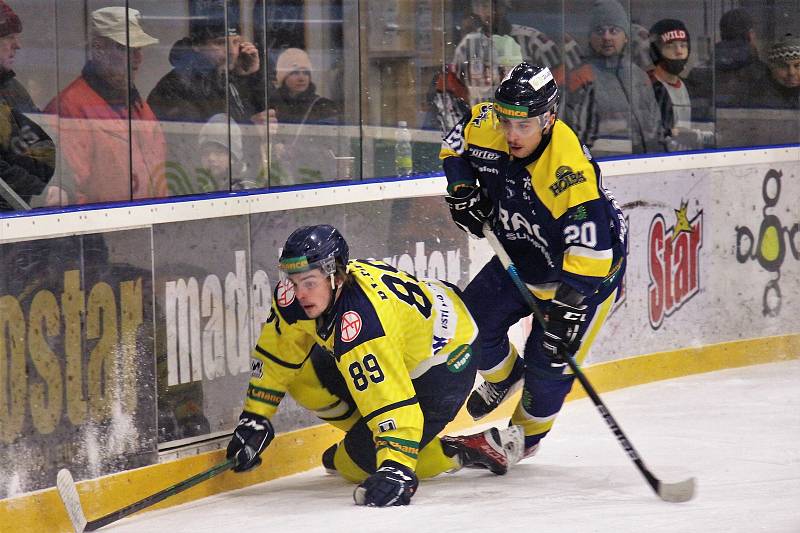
(671, 492)
(69, 496)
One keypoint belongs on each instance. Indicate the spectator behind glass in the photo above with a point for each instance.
(738, 71)
(783, 89)
(613, 109)
(27, 154)
(112, 144)
(297, 105)
(217, 160)
(670, 47)
(210, 76)
(297, 100)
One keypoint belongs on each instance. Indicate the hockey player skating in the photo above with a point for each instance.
(386, 357)
(513, 163)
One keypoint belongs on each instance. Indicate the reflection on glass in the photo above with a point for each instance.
(214, 81)
(27, 153)
(612, 106)
(277, 93)
(112, 147)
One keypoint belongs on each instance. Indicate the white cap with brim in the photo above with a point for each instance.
(109, 22)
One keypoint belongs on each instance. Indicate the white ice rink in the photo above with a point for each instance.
(737, 431)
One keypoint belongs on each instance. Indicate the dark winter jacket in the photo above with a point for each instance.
(193, 91)
(738, 72)
(612, 99)
(773, 95)
(305, 108)
(27, 153)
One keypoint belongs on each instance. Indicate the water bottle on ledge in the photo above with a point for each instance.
(403, 160)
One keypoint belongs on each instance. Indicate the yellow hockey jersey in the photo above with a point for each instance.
(553, 215)
(385, 329)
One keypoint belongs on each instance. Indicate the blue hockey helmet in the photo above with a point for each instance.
(311, 247)
(526, 91)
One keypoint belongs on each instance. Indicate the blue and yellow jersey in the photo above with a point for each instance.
(551, 212)
(387, 329)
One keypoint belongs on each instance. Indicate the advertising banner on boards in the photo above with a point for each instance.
(76, 352)
(214, 285)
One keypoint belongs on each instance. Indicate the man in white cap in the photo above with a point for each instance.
(114, 148)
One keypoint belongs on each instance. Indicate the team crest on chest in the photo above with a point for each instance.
(285, 293)
(351, 326)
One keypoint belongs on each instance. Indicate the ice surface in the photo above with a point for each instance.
(737, 431)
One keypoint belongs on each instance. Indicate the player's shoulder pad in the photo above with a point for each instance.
(286, 303)
(358, 320)
(482, 131)
(565, 175)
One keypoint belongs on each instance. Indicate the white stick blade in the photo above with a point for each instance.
(69, 496)
(683, 491)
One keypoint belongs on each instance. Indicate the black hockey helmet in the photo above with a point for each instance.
(664, 31)
(526, 91)
(311, 247)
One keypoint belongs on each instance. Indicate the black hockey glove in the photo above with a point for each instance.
(470, 208)
(392, 484)
(564, 320)
(251, 436)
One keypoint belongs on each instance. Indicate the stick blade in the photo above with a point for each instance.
(70, 499)
(682, 491)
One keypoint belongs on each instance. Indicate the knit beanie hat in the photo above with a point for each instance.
(210, 28)
(734, 25)
(9, 21)
(665, 31)
(290, 60)
(668, 30)
(786, 49)
(218, 129)
(609, 13)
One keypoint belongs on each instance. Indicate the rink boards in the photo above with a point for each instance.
(126, 331)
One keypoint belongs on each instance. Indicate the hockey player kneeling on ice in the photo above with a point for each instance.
(387, 358)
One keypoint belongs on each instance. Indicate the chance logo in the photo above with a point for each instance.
(351, 326)
(285, 293)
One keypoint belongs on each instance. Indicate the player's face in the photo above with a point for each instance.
(522, 135)
(8, 50)
(298, 81)
(608, 41)
(678, 49)
(313, 290)
(788, 73)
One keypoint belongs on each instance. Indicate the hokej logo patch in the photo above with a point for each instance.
(350, 326)
(285, 292)
(673, 263)
(256, 368)
(387, 425)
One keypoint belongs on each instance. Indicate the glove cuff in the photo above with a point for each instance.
(569, 297)
(460, 189)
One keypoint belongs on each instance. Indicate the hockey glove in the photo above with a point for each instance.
(564, 320)
(251, 436)
(392, 484)
(470, 208)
